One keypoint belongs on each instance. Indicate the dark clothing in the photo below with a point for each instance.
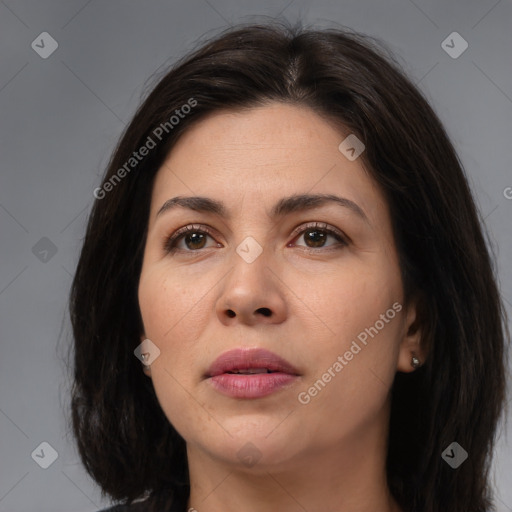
(161, 501)
(137, 507)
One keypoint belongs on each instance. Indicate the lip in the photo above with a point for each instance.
(254, 385)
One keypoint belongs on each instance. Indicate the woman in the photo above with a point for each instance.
(284, 299)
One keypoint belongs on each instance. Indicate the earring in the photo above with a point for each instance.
(415, 362)
(146, 368)
(145, 365)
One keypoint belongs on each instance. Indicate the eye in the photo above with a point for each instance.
(194, 237)
(316, 234)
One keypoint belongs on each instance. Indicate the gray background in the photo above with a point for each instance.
(60, 120)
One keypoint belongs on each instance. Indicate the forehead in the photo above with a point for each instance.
(257, 156)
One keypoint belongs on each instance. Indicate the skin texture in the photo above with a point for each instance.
(328, 454)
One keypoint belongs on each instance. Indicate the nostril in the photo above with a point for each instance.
(265, 311)
(231, 313)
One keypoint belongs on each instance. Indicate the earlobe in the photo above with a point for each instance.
(411, 352)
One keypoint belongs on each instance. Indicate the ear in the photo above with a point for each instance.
(411, 344)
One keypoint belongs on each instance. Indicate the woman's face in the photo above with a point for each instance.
(270, 275)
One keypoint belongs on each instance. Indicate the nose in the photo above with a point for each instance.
(252, 293)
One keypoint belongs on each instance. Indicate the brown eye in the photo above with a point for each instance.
(316, 236)
(193, 238)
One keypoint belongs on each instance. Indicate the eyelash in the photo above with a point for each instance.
(170, 242)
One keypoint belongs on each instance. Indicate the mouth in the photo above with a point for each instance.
(250, 373)
(249, 362)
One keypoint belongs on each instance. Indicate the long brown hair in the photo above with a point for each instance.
(124, 439)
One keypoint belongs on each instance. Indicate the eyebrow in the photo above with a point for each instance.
(285, 206)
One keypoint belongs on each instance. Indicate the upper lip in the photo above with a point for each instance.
(246, 358)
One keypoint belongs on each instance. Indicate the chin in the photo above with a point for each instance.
(256, 444)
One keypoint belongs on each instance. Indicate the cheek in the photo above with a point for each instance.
(170, 305)
(354, 370)
(167, 309)
(351, 298)
(167, 317)
(359, 316)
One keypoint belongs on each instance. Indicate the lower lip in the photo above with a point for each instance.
(254, 385)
